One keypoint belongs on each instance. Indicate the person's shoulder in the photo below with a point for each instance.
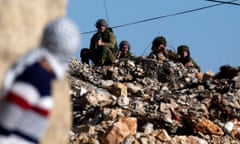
(151, 55)
(172, 55)
(171, 52)
(37, 72)
(110, 31)
(112, 35)
(94, 36)
(38, 77)
(130, 53)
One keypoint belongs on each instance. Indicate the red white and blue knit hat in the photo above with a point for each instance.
(62, 38)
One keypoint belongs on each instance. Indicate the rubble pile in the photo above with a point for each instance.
(147, 102)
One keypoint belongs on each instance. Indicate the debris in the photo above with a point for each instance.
(151, 102)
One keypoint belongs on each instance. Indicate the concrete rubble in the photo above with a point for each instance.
(146, 102)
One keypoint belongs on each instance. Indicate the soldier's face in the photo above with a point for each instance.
(160, 48)
(102, 28)
(125, 49)
(184, 54)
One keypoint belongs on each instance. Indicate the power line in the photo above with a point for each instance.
(165, 16)
(223, 2)
(106, 11)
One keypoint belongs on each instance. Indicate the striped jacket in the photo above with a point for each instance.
(26, 106)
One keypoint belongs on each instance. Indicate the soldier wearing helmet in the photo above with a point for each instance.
(124, 50)
(185, 58)
(102, 46)
(101, 22)
(159, 51)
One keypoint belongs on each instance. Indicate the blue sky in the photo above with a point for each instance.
(213, 34)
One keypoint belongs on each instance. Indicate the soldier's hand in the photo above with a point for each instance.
(100, 42)
(119, 54)
(189, 64)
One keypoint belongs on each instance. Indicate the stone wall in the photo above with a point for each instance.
(21, 24)
(147, 102)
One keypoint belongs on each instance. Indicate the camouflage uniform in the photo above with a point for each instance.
(103, 55)
(159, 52)
(121, 55)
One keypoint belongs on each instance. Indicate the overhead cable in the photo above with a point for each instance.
(106, 11)
(223, 2)
(165, 16)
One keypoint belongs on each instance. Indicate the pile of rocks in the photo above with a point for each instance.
(146, 102)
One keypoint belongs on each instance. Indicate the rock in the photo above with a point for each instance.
(112, 114)
(132, 88)
(205, 126)
(162, 135)
(118, 89)
(236, 79)
(99, 97)
(188, 140)
(148, 128)
(233, 127)
(123, 101)
(172, 104)
(126, 126)
(106, 84)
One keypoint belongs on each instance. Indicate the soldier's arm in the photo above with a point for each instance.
(93, 42)
(112, 41)
(172, 55)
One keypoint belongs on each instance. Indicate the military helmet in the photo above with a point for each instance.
(101, 22)
(182, 48)
(159, 40)
(124, 42)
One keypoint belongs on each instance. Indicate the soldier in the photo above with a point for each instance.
(159, 51)
(185, 58)
(85, 55)
(26, 100)
(124, 50)
(102, 46)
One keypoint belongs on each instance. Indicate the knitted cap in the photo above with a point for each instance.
(61, 37)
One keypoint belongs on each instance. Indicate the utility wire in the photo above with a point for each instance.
(172, 15)
(223, 2)
(169, 15)
(106, 11)
(149, 44)
(165, 16)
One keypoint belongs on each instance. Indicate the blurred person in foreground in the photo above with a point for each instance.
(26, 100)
